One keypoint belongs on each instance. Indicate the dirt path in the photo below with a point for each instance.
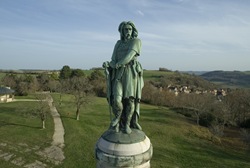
(58, 137)
(55, 152)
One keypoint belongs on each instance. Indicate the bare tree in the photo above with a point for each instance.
(197, 103)
(53, 85)
(222, 114)
(42, 108)
(10, 80)
(81, 88)
(97, 79)
(239, 101)
(245, 134)
(147, 92)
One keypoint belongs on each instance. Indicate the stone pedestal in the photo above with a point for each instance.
(114, 150)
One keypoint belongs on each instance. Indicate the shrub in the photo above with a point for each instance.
(206, 119)
(245, 124)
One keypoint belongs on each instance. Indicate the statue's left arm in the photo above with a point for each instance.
(134, 51)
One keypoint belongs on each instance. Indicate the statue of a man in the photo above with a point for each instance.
(125, 80)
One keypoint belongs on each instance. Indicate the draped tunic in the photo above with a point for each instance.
(127, 80)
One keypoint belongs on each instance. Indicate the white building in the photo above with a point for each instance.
(6, 94)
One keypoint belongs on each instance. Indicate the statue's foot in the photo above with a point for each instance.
(117, 128)
(115, 122)
(128, 129)
(137, 126)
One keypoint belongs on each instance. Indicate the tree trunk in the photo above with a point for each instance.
(43, 124)
(60, 102)
(77, 114)
(197, 118)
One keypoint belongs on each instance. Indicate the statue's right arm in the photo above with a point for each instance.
(112, 63)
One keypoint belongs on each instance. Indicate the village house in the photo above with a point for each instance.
(6, 94)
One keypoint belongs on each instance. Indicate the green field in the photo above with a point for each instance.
(176, 140)
(154, 74)
(2, 75)
(20, 132)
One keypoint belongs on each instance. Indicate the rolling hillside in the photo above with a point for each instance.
(199, 79)
(176, 139)
(177, 78)
(229, 78)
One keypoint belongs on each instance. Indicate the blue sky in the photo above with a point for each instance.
(176, 34)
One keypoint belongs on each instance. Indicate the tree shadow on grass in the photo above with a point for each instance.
(68, 117)
(4, 123)
(8, 110)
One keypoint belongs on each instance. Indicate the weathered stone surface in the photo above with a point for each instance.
(18, 161)
(123, 149)
(36, 164)
(122, 138)
(113, 153)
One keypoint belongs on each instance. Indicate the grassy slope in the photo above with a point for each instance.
(218, 77)
(176, 141)
(154, 74)
(19, 125)
(2, 75)
(231, 79)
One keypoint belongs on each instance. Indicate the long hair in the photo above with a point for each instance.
(121, 26)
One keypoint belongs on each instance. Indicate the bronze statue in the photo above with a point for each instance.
(124, 79)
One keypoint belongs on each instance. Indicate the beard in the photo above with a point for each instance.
(128, 36)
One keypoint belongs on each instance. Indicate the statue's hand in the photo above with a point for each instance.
(118, 66)
(105, 64)
(112, 65)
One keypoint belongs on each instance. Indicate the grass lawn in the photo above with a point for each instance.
(177, 142)
(21, 134)
(154, 74)
(2, 75)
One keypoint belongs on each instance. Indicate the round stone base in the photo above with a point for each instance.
(115, 150)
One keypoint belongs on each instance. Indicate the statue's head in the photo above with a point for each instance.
(127, 30)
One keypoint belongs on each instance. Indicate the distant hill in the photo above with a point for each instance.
(228, 78)
(176, 78)
(195, 72)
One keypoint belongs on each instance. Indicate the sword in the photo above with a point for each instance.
(105, 66)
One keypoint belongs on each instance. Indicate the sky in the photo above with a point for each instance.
(183, 35)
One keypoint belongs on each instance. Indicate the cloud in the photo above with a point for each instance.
(170, 31)
(139, 13)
